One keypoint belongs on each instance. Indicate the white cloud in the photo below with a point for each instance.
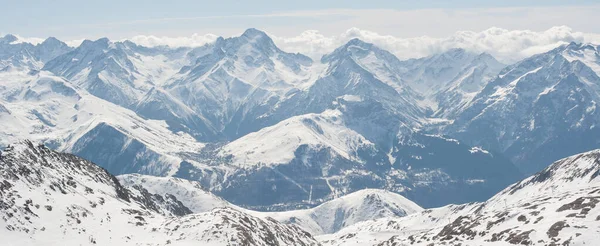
(506, 45)
(25, 40)
(192, 41)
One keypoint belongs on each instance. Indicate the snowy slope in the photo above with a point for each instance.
(382, 64)
(133, 77)
(358, 143)
(119, 72)
(336, 214)
(446, 82)
(278, 144)
(190, 193)
(43, 107)
(430, 74)
(556, 206)
(234, 81)
(49, 198)
(455, 94)
(15, 53)
(362, 69)
(334, 124)
(328, 217)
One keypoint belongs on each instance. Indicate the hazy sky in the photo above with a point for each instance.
(76, 19)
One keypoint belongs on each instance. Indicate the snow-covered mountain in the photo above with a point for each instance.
(557, 206)
(446, 82)
(279, 144)
(335, 125)
(241, 121)
(241, 109)
(329, 154)
(40, 106)
(427, 75)
(455, 95)
(363, 205)
(235, 83)
(361, 69)
(15, 53)
(191, 194)
(119, 72)
(91, 206)
(538, 110)
(383, 65)
(328, 217)
(50, 198)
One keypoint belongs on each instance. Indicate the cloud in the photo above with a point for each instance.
(506, 45)
(192, 41)
(21, 39)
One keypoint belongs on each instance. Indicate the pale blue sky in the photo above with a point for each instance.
(75, 19)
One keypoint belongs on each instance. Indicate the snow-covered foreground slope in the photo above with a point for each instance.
(190, 193)
(557, 206)
(363, 205)
(50, 198)
(329, 217)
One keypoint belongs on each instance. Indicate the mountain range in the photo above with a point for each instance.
(270, 130)
(53, 198)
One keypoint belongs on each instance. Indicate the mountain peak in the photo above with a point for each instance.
(572, 46)
(487, 58)
(485, 55)
(52, 41)
(102, 42)
(351, 48)
(358, 42)
(8, 38)
(254, 37)
(254, 33)
(579, 46)
(455, 53)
